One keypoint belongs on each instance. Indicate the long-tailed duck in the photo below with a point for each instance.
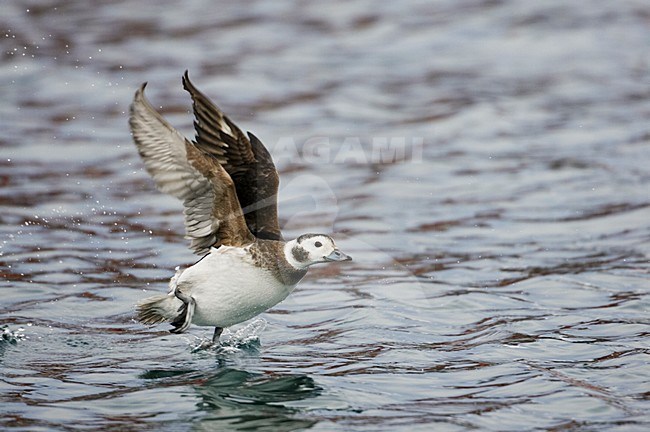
(228, 184)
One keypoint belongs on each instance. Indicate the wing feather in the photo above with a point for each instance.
(245, 159)
(213, 215)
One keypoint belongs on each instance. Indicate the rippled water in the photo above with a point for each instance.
(501, 242)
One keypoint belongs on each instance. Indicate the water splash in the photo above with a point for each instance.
(237, 340)
(12, 336)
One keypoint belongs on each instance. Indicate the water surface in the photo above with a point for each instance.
(501, 240)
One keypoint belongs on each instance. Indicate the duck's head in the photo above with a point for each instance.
(311, 249)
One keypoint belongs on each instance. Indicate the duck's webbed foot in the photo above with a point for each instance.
(183, 321)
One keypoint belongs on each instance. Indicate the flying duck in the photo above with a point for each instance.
(228, 185)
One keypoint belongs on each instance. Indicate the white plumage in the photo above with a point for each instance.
(228, 289)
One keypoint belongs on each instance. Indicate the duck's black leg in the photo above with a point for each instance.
(184, 319)
(217, 334)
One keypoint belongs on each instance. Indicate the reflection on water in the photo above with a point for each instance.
(238, 400)
(234, 399)
(500, 279)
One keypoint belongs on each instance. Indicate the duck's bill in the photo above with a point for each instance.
(337, 255)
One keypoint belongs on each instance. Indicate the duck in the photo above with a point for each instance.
(228, 185)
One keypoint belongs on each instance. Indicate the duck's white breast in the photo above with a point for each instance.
(228, 288)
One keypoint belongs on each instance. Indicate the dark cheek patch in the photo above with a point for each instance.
(299, 254)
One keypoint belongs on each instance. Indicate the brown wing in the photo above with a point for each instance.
(245, 159)
(213, 216)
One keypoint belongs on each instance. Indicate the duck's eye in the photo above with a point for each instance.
(318, 244)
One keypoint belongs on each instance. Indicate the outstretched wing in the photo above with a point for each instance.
(213, 216)
(245, 159)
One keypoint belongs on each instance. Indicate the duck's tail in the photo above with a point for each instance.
(158, 309)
